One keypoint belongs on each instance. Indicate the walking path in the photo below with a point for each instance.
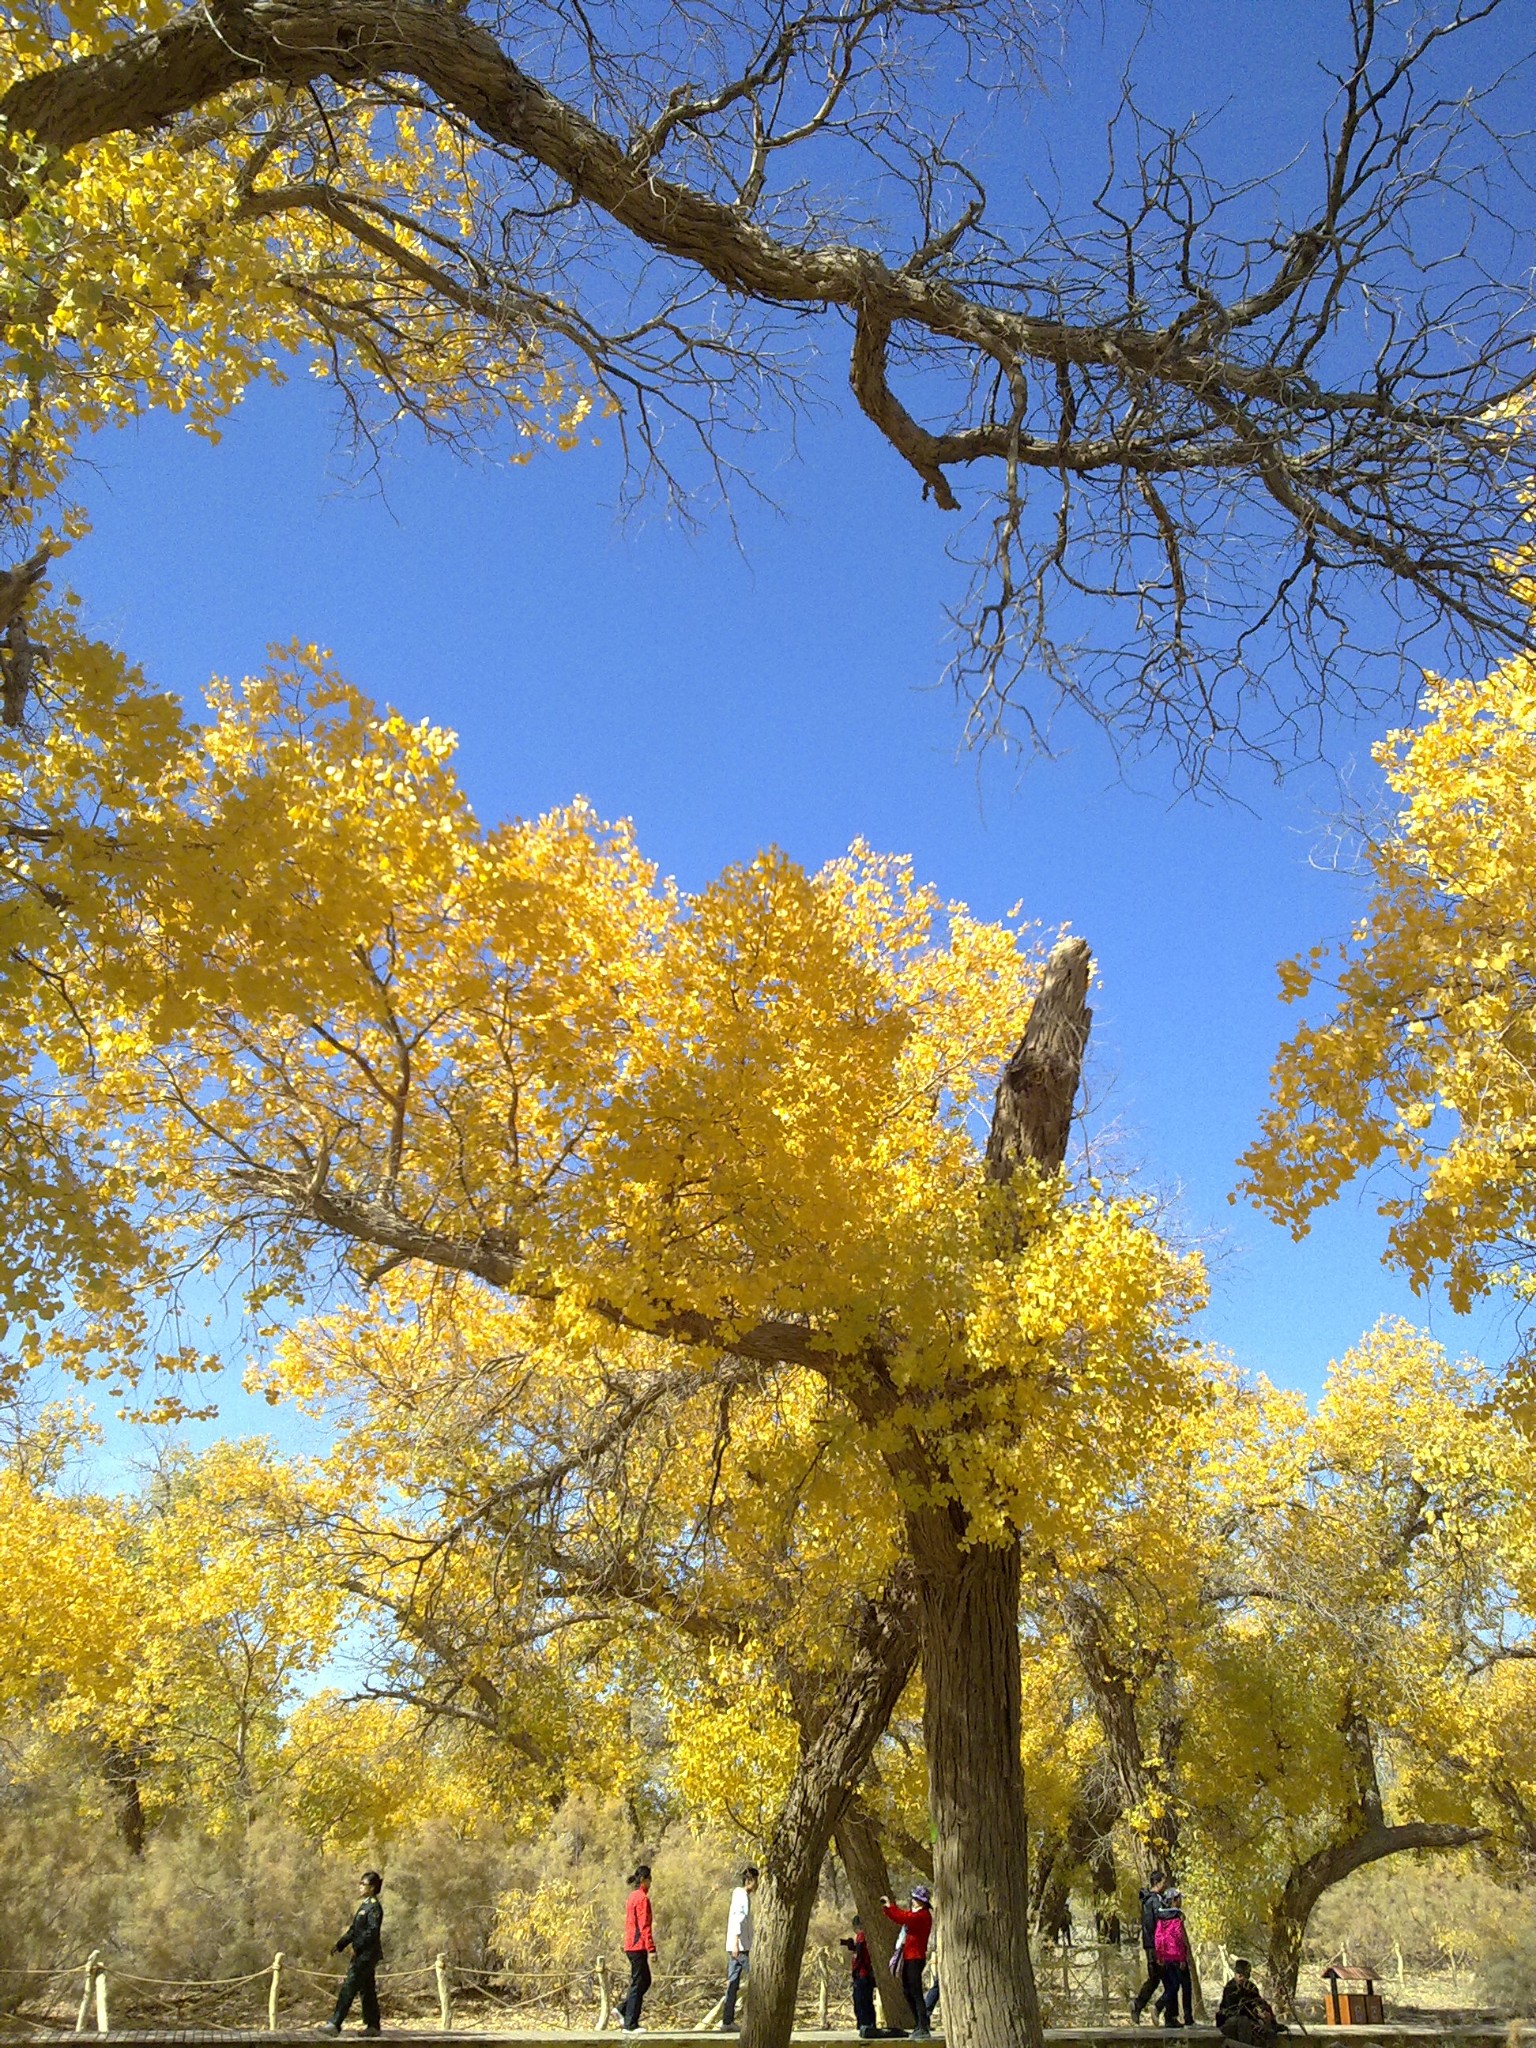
(1414, 2035)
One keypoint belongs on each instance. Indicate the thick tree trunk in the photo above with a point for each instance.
(1330, 1866)
(781, 1914)
(830, 1767)
(968, 1597)
(869, 1876)
(121, 1771)
(1084, 1846)
(1119, 1685)
(969, 1601)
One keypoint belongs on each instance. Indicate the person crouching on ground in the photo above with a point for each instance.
(365, 1939)
(1151, 1899)
(1245, 2015)
(639, 1945)
(738, 1942)
(916, 1926)
(1171, 1948)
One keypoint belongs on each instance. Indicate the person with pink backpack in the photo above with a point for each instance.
(1170, 1948)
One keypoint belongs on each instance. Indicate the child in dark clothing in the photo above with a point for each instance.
(862, 1982)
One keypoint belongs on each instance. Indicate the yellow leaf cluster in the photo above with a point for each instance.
(734, 1749)
(173, 270)
(174, 1630)
(1424, 1059)
(515, 1052)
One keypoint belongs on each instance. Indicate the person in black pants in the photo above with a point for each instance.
(1173, 1955)
(862, 1982)
(1151, 1899)
(639, 1945)
(365, 1939)
(911, 1957)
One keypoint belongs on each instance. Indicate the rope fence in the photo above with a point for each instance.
(1078, 1982)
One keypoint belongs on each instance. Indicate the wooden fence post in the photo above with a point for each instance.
(103, 2024)
(277, 1978)
(821, 1989)
(604, 2002)
(85, 1996)
(444, 1996)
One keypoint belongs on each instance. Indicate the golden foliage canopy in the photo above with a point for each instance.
(742, 1121)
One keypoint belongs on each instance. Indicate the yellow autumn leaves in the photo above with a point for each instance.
(586, 1140)
(578, 1135)
(1289, 1614)
(179, 1626)
(1423, 1061)
(316, 996)
(170, 272)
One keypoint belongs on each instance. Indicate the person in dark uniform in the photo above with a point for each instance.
(365, 1939)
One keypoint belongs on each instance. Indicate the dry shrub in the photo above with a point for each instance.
(517, 1920)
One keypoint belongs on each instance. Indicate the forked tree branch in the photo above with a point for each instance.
(1230, 438)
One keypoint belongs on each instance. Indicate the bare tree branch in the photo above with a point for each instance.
(1227, 426)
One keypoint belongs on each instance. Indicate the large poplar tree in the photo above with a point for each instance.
(746, 1124)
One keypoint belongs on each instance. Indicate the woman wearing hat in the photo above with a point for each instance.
(916, 1927)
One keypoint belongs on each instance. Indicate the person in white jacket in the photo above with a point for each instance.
(738, 1942)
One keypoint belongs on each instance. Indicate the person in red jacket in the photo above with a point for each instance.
(639, 1945)
(916, 1926)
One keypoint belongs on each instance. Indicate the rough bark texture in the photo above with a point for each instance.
(781, 1914)
(869, 1877)
(19, 585)
(830, 1767)
(970, 1609)
(1032, 1112)
(968, 1596)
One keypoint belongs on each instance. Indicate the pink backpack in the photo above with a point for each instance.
(1170, 1944)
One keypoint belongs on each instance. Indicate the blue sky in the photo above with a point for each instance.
(787, 692)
